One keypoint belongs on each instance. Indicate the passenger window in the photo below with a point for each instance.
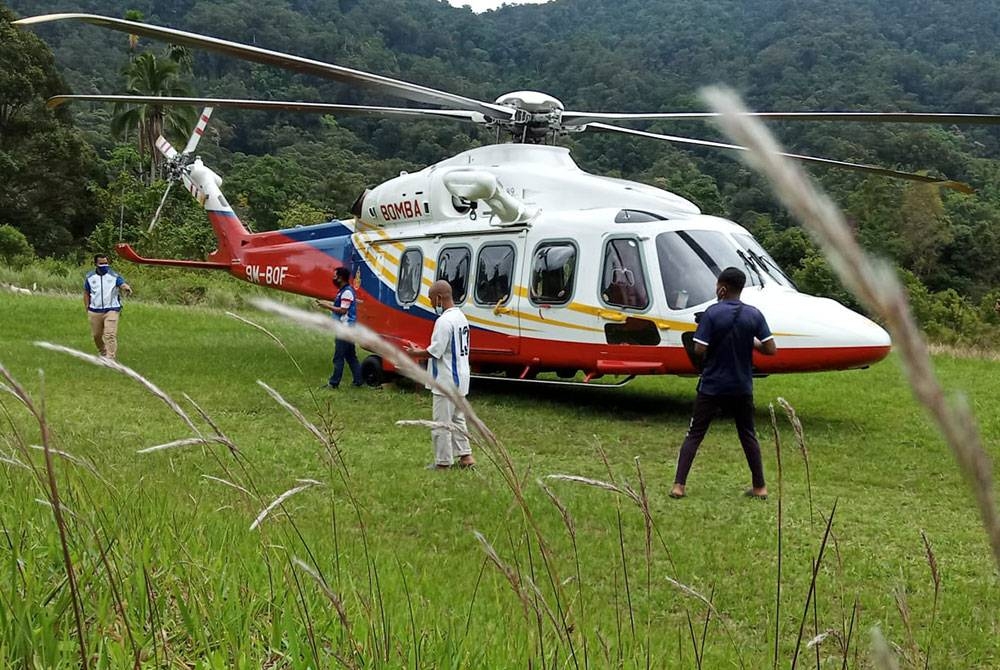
(552, 272)
(623, 282)
(494, 274)
(410, 270)
(453, 267)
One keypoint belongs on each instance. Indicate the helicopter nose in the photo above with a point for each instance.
(843, 338)
(821, 334)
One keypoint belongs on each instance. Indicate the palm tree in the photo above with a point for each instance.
(152, 76)
(133, 40)
(181, 55)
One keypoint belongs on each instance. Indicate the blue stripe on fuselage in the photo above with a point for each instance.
(319, 231)
(334, 240)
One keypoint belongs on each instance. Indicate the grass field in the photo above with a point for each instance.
(170, 573)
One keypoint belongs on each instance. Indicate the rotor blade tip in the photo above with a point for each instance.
(959, 186)
(56, 101)
(45, 18)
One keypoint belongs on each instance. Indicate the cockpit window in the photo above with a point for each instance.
(687, 279)
(623, 281)
(763, 260)
(691, 260)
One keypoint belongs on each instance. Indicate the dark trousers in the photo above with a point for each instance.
(345, 351)
(706, 408)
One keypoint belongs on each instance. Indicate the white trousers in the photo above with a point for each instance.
(449, 443)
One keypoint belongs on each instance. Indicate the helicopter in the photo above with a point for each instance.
(557, 270)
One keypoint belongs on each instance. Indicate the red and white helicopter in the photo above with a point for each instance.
(556, 269)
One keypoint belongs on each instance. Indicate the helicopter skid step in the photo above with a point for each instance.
(555, 382)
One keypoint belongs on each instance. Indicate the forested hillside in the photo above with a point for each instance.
(615, 55)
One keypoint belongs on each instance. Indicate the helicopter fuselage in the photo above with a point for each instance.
(556, 269)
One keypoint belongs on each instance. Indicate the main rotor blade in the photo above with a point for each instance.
(579, 118)
(279, 105)
(387, 85)
(857, 167)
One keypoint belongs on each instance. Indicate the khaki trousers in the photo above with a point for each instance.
(104, 328)
(448, 443)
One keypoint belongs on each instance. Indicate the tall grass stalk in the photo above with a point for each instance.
(274, 338)
(932, 564)
(812, 583)
(882, 654)
(570, 526)
(338, 605)
(688, 591)
(800, 438)
(780, 522)
(55, 502)
(496, 452)
(101, 361)
(850, 636)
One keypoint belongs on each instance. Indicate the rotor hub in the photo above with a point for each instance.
(536, 114)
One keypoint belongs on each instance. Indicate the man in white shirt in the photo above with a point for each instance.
(448, 364)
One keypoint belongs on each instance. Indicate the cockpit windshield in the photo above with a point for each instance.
(763, 260)
(691, 260)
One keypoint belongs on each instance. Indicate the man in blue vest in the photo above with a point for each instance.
(102, 289)
(728, 333)
(345, 308)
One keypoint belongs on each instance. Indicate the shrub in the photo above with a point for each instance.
(15, 250)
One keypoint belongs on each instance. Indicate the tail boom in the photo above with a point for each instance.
(128, 253)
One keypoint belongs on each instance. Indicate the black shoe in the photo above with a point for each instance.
(330, 387)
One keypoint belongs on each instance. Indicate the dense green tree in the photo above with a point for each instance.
(46, 168)
(14, 246)
(151, 75)
(128, 205)
(924, 230)
(300, 214)
(616, 55)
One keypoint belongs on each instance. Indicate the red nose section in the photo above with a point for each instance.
(816, 359)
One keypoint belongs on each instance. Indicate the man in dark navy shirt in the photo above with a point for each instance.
(344, 308)
(725, 340)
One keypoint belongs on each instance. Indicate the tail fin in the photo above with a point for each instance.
(232, 235)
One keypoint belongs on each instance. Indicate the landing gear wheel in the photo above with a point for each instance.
(371, 371)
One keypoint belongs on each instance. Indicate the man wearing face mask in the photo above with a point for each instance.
(448, 364)
(727, 335)
(344, 307)
(102, 290)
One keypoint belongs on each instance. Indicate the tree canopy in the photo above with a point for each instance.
(613, 55)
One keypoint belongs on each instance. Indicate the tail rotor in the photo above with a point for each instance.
(179, 164)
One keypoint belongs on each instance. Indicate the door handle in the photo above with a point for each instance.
(500, 309)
